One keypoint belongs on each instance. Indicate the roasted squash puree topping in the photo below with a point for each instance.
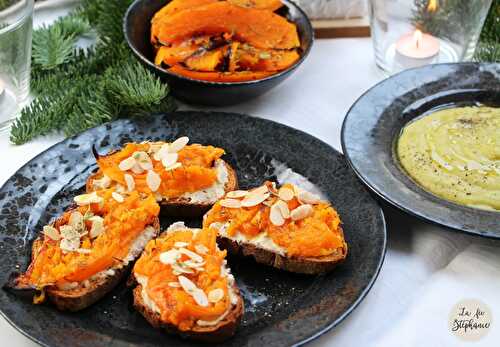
(311, 232)
(455, 154)
(176, 305)
(194, 168)
(122, 224)
(224, 41)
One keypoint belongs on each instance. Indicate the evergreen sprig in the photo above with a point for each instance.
(77, 88)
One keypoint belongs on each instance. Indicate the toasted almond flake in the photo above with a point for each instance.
(181, 269)
(215, 295)
(169, 159)
(68, 232)
(201, 249)
(181, 244)
(173, 167)
(230, 203)
(83, 250)
(196, 257)
(143, 159)
(308, 198)
(200, 297)
(254, 199)
(137, 169)
(162, 152)
(87, 199)
(283, 207)
(127, 164)
(119, 188)
(97, 226)
(260, 190)
(178, 144)
(286, 194)
(267, 203)
(102, 183)
(174, 284)
(154, 147)
(169, 257)
(69, 245)
(129, 180)
(118, 197)
(198, 266)
(51, 232)
(236, 194)
(76, 221)
(153, 180)
(301, 212)
(275, 216)
(187, 284)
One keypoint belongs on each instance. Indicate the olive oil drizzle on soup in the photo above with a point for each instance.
(455, 154)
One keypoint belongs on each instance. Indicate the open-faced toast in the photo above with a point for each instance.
(185, 179)
(185, 287)
(86, 252)
(287, 228)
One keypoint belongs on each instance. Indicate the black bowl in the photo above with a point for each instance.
(137, 25)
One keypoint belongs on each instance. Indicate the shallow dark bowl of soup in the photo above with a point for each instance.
(137, 26)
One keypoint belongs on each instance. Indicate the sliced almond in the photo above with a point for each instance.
(283, 207)
(301, 212)
(187, 284)
(87, 199)
(170, 257)
(198, 266)
(200, 297)
(169, 159)
(178, 144)
(201, 249)
(196, 257)
(69, 245)
(260, 190)
(76, 221)
(160, 154)
(68, 232)
(215, 295)
(286, 194)
(178, 269)
(236, 194)
(127, 164)
(97, 226)
(154, 147)
(143, 160)
(181, 244)
(129, 180)
(153, 180)
(173, 166)
(254, 199)
(275, 215)
(51, 232)
(308, 198)
(230, 203)
(137, 169)
(118, 197)
(174, 284)
(102, 183)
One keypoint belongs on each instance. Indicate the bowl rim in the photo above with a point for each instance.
(288, 3)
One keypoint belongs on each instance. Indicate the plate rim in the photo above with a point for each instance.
(380, 213)
(385, 197)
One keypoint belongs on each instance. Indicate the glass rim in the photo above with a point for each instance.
(29, 9)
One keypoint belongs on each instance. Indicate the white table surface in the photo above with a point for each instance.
(427, 269)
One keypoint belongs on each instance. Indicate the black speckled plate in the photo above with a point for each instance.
(281, 308)
(374, 122)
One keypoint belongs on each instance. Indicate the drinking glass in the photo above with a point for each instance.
(16, 23)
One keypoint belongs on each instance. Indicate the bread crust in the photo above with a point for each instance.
(310, 266)
(217, 333)
(82, 297)
(180, 207)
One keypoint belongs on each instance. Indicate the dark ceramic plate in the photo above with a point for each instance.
(280, 308)
(136, 27)
(374, 122)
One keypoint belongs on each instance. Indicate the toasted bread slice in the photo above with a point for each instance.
(182, 207)
(215, 331)
(266, 210)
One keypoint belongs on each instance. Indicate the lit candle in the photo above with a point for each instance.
(416, 49)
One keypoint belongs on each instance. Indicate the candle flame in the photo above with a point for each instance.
(432, 6)
(417, 37)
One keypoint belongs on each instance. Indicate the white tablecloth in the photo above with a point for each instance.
(427, 269)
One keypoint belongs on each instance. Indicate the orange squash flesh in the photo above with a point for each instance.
(271, 5)
(314, 236)
(260, 28)
(176, 306)
(207, 61)
(196, 172)
(123, 223)
(237, 76)
(250, 58)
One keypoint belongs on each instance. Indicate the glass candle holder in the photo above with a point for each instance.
(16, 22)
(412, 33)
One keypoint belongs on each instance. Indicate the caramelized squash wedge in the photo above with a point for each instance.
(236, 76)
(206, 61)
(249, 58)
(260, 28)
